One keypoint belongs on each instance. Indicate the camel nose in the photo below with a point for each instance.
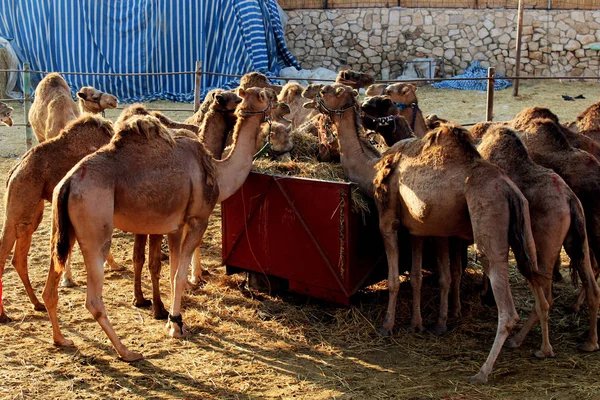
(7, 120)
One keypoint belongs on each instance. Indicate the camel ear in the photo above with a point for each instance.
(355, 92)
(81, 95)
(339, 91)
(241, 92)
(221, 99)
(310, 104)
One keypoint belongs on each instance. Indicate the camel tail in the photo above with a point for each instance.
(576, 244)
(521, 238)
(62, 228)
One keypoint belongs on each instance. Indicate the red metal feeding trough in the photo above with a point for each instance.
(303, 231)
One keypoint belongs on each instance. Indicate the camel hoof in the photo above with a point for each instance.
(178, 333)
(62, 342)
(512, 344)
(163, 256)
(67, 282)
(39, 307)
(588, 347)
(196, 282)
(114, 268)
(416, 329)
(5, 319)
(161, 314)
(438, 330)
(384, 332)
(541, 354)
(131, 356)
(478, 378)
(143, 303)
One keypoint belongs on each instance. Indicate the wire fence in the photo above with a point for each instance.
(476, 4)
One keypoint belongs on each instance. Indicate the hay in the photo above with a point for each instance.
(305, 147)
(3, 75)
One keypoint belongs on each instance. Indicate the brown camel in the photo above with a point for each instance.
(354, 79)
(405, 97)
(377, 89)
(146, 182)
(93, 101)
(380, 115)
(291, 94)
(478, 203)
(53, 107)
(589, 119)
(6, 114)
(548, 147)
(256, 79)
(280, 138)
(557, 217)
(198, 116)
(32, 180)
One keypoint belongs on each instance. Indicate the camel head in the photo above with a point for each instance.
(279, 110)
(95, 101)
(255, 100)
(402, 93)
(281, 138)
(336, 97)
(432, 121)
(502, 142)
(354, 79)
(377, 89)
(525, 117)
(290, 92)
(225, 101)
(6, 114)
(310, 92)
(379, 106)
(256, 79)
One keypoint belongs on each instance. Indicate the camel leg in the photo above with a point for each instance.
(67, 276)
(154, 265)
(139, 257)
(443, 262)
(195, 229)
(582, 295)
(6, 245)
(416, 281)
(507, 315)
(197, 271)
(110, 262)
(455, 248)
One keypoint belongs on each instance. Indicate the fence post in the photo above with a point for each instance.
(518, 56)
(26, 105)
(489, 115)
(197, 86)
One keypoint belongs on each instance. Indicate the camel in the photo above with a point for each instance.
(174, 125)
(146, 182)
(557, 217)
(354, 79)
(404, 95)
(589, 119)
(548, 146)
(377, 89)
(256, 79)
(93, 101)
(291, 94)
(198, 116)
(53, 106)
(6, 114)
(380, 115)
(465, 211)
(279, 136)
(30, 183)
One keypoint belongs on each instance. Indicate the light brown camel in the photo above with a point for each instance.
(169, 123)
(92, 100)
(198, 116)
(53, 107)
(412, 169)
(548, 147)
(354, 79)
(256, 79)
(6, 114)
(280, 138)
(379, 114)
(30, 183)
(291, 94)
(405, 97)
(557, 217)
(146, 182)
(377, 89)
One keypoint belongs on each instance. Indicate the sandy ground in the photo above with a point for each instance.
(250, 345)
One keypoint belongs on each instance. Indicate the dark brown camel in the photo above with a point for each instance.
(379, 114)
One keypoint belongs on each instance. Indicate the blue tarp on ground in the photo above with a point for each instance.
(108, 36)
(475, 70)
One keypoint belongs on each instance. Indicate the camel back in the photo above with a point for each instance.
(589, 118)
(548, 134)
(144, 128)
(525, 117)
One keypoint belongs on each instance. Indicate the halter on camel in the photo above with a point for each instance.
(267, 119)
(403, 106)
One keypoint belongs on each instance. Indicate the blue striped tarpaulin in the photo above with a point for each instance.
(131, 36)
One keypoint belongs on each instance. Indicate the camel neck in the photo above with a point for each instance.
(233, 170)
(414, 117)
(358, 165)
(214, 130)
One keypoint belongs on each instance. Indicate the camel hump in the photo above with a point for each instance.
(131, 111)
(453, 139)
(525, 117)
(550, 133)
(147, 127)
(54, 79)
(503, 146)
(90, 122)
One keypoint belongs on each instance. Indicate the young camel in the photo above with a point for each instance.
(380, 115)
(53, 107)
(405, 97)
(291, 94)
(146, 182)
(557, 217)
(465, 211)
(354, 79)
(31, 182)
(6, 114)
(93, 101)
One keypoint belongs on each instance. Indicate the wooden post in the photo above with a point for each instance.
(489, 115)
(197, 86)
(518, 56)
(27, 104)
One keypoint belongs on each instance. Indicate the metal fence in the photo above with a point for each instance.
(476, 4)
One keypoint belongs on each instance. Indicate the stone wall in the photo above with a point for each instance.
(378, 40)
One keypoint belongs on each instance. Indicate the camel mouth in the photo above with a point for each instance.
(7, 121)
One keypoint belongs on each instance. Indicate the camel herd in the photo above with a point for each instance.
(531, 185)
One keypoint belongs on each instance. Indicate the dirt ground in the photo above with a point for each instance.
(250, 345)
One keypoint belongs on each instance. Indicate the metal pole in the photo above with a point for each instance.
(489, 115)
(26, 105)
(518, 56)
(197, 86)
